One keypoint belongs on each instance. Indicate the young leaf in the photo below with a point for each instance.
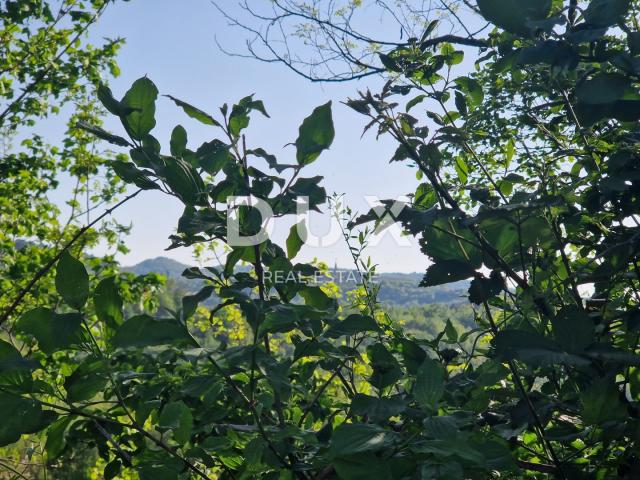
(178, 142)
(315, 134)
(72, 281)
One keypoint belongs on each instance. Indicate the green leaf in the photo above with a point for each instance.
(178, 142)
(72, 281)
(386, 369)
(143, 331)
(140, 99)
(103, 134)
(89, 379)
(429, 386)
(604, 13)
(351, 438)
(514, 15)
(315, 297)
(377, 409)
(106, 98)
(604, 88)
(573, 329)
(483, 289)
(354, 323)
(601, 403)
(108, 303)
(57, 437)
(194, 112)
(177, 417)
(15, 371)
(446, 271)
(185, 181)
(412, 355)
(315, 134)
(278, 319)
(294, 240)
(363, 466)
(128, 172)
(53, 331)
(21, 416)
(533, 349)
(190, 302)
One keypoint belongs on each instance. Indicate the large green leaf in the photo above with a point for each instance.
(533, 348)
(108, 303)
(21, 416)
(315, 134)
(386, 369)
(351, 438)
(185, 181)
(354, 323)
(142, 331)
(89, 379)
(53, 331)
(140, 100)
(514, 15)
(573, 329)
(602, 89)
(15, 371)
(128, 172)
(72, 281)
(177, 417)
(604, 13)
(601, 403)
(429, 386)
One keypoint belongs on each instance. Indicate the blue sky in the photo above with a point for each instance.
(172, 42)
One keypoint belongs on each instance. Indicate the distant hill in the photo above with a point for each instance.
(399, 289)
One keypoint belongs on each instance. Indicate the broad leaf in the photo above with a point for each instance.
(315, 135)
(72, 281)
(53, 331)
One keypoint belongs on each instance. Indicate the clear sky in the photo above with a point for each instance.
(172, 42)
